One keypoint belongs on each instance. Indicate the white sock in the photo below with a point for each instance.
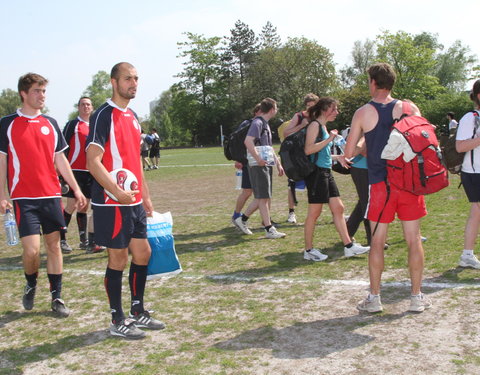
(468, 253)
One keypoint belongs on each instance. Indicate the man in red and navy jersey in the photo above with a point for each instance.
(120, 224)
(75, 133)
(31, 150)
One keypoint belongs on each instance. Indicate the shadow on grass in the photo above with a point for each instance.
(309, 340)
(453, 275)
(13, 360)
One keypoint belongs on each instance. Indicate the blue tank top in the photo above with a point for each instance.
(376, 140)
(324, 158)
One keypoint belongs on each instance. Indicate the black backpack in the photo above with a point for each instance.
(453, 159)
(296, 164)
(234, 146)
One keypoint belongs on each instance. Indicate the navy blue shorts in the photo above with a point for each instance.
(115, 226)
(246, 184)
(33, 214)
(471, 185)
(84, 180)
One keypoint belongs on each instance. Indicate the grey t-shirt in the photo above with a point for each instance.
(260, 130)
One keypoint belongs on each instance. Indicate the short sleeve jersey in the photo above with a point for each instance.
(30, 144)
(466, 129)
(75, 133)
(117, 132)
(260, 130)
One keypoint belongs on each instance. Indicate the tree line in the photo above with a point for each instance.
(224, 77)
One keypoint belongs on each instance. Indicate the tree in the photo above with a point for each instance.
(269, 37)
(363, 55)
(414, 64)
(9, 102)
(454, 67)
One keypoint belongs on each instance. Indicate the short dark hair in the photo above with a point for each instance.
(310, 97)
(84, 97)
(383, 74)
(321, 106)
(475, 92)
(256, 108)
(28, 80)
(267, 104)
(451, 115)
(114, 73)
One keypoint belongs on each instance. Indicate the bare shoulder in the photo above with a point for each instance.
(397, 110)
(366, 117)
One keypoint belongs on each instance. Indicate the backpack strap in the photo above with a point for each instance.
(475, 128)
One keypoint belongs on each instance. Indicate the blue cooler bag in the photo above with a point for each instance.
(164, 260)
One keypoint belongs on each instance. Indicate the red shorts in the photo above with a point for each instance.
(406, 205)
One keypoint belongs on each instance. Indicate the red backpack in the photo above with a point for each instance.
(425, 173)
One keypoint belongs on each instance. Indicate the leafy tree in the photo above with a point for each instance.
(454, 67)
(9, 102)
(363, 55)
(269, 37)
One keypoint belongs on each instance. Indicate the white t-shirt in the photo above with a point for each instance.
(452, 124)
(465, 131)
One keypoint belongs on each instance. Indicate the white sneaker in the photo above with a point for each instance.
(315, 255)
(419, 303)
(469, 261)
(273, 233)
(240, 224)
(356, 249)
(371, 304)
(292, 218)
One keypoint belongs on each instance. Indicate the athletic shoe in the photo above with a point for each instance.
(126, 329)
(240, 224)
(371, 304)
(59, 308)
(356, 249)
(28, 297)
(315, 255)
(95, 249)
(156, 167)
(83, 245)
(292, 218)
(273, 233)
(469, 261)
(144, 320)
(423, 238)
(419, 303)
(66, 248)
(275, 224)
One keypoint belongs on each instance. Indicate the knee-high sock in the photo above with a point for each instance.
(137, 280)
(82, 226)
(113, 286)
(55, 285)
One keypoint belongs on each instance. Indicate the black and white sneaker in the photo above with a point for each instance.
(28, 297)
(59, 308)
(144, 320)
(126, 329)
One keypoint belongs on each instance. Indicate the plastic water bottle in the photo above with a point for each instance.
(238, 178)
(10, 228)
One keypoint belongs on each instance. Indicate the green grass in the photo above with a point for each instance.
(209, 313)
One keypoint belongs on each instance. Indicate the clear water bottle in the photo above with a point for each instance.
(10, 228)
(238, 179)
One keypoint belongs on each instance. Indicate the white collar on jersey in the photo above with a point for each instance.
(109, 101)
(21, 114)
(82, 120)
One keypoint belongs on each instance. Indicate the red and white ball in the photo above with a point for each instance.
(125, 179)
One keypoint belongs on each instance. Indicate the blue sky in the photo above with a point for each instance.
(68, 42)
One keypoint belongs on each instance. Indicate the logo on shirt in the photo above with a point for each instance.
(45, 130)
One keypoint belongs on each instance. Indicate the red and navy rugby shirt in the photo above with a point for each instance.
(30, 144)
(75, 133)
(117, 132)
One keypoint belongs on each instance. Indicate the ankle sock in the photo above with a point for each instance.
(468, 253)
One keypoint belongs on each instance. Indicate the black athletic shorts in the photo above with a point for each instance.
(84, 180)
(115, 226)
(471, 185)
(321, 186)
(33, 214)
(154, 153)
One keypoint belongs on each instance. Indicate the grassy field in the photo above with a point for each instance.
(248, 305)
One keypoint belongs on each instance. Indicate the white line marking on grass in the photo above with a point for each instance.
(280, 280)
(195, 165)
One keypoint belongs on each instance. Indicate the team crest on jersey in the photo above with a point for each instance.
(45, 130)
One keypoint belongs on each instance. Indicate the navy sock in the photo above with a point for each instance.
(63, 231)
(244, 217)
(82, 226)
(137, 279)
(55, 285)
(32, 279)
(113, 286)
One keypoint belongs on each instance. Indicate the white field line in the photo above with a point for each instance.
(282, 280)
(196, 165)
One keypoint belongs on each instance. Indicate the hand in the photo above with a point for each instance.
(333, 133)
(148, 206)
(125, 196)
(80, 200)
(238, 165)
(4, 206)
(344, 161)
(281, 172)
(261, 163)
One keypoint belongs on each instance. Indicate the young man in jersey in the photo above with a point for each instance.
(120, 225)
(374, 120)
(154, 149)
(31, 151)
(75, 133)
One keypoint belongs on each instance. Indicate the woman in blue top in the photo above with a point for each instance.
(320, 183)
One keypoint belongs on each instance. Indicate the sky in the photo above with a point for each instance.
(69, 42)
